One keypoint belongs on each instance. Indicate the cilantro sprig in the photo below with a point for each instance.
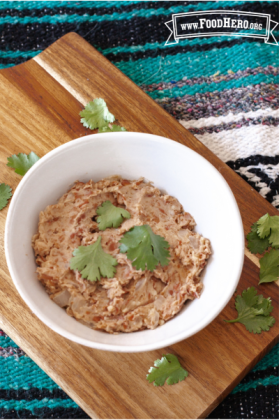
(93, 262)
(167, 369)
(268, 227)
(144, 248)
(253, 311)
(269, 267)
(256, 244)
(5, 195)
(263, 235)
(96, 114)
(21, 163)
(110, 216)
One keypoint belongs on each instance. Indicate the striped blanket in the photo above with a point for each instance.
(223, 89)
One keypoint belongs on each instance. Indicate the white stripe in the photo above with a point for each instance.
(272, 172)
(206, 122)
(269, 169)
(243, 142)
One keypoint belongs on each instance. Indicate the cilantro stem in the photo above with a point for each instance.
(232, 320)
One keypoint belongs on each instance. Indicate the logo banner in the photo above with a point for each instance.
(223, 22)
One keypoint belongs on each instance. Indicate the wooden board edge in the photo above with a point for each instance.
(239, 378)
(22, 343)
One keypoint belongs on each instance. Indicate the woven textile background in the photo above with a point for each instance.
(224, 90)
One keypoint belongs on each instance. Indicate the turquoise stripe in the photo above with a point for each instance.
(161, 45)
(205, 87)
(37, 5)
(271, 359)
(111, 17)
(30, 405)
(7, 342)
(17, 54)
(66, 18)
(5, 66)
(271, 380)
(23, 373)
(197, 64)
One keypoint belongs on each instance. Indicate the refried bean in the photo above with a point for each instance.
(133, 299)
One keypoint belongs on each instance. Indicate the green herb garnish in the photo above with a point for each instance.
(269, 264)
(256, 244)
(110, 216)
(268, 227)
(21, 163)
(5, 195)
(253, 311)
(93, 262)
(96, 114)
(144, 248)
(166, 369)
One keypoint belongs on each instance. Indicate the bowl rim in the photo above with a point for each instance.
(104, 346)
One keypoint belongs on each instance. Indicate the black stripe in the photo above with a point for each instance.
(274, 188)
(259, 403)
(106, 34)
(253, 160)
(141, 30)
(32, 394)
(272, 184)
(14, 61)
(269, 197)
(44, 413)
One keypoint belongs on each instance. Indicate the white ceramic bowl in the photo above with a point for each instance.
(173, 168)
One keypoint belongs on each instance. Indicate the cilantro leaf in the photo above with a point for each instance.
(144, 248)
(269, 270)
(111, 128)
(269, 225)
(253, 311)
(110, 216)
(93, 262)
(96, 114)
(22, 162)
(256, 244)
(168, 368)
(5, 195)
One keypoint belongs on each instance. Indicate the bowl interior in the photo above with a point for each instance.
(174, 169)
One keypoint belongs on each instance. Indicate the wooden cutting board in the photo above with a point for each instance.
(39, 110)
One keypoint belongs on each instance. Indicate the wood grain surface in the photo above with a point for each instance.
(39, 110)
